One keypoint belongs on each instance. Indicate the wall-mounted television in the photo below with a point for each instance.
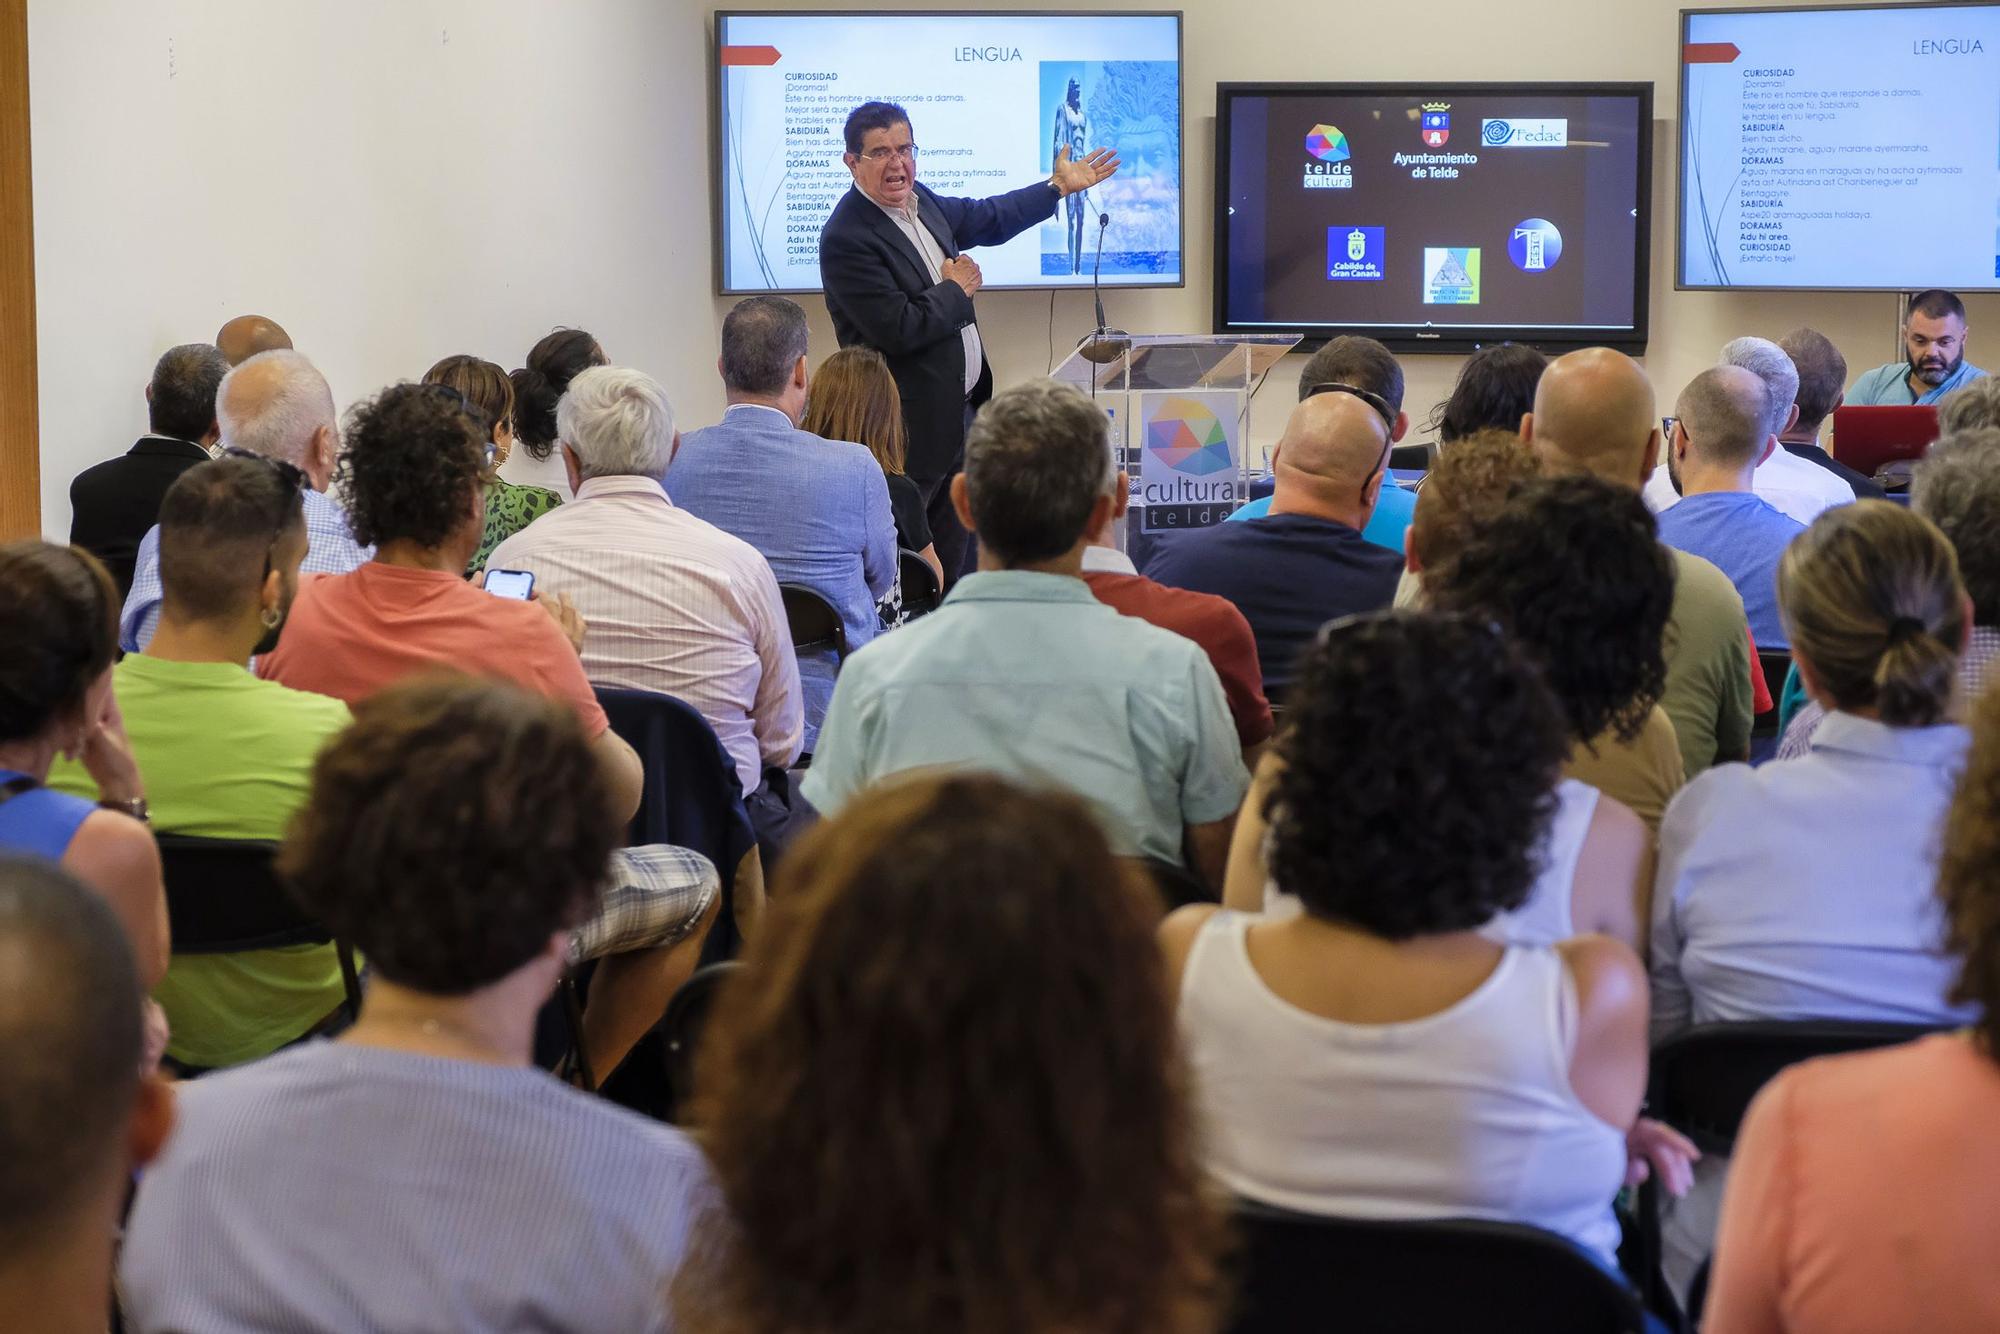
(1437, 217)
(990, 96)
(1840, 148)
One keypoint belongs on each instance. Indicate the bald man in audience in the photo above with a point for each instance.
(247, 335)
(276, 406)
(1723, 432)
(1594, 413)
(1305, 563)
(79, 1116)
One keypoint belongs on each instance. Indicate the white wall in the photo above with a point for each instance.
(395, 180)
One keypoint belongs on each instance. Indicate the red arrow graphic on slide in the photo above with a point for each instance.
(749, 55)
(1710, 53)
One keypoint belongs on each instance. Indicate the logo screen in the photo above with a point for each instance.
(1354, 254)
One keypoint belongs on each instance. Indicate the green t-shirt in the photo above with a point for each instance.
(225, 755)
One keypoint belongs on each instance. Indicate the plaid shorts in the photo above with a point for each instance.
(656, 895)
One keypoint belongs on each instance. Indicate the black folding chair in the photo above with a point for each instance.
(687, 1019)
(815, 623)
(224, 897)
(922, 592)
(1777, 664)
(1299, 1274)
(1703, 1079)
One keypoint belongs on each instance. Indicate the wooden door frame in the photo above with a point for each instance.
(20, 431)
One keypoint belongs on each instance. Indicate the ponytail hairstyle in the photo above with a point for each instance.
(540, 385)
(1873, 601)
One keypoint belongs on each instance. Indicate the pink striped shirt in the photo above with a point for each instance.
(674, 605)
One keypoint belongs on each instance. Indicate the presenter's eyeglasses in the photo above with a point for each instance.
(907, 152)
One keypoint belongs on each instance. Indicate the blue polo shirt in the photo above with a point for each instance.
(1889, 386)
(1288, 574)
(1743, 536)
(1028, 675)
(1387, 527)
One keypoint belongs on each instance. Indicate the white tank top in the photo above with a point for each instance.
(1548, 914)
(1466, 1113)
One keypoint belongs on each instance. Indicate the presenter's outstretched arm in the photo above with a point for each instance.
(1070, 176)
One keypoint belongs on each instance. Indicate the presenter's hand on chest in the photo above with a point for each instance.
(964, 271)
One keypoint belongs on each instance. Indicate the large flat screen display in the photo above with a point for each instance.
(991, 97)
(1847, 148)
(1435, 217)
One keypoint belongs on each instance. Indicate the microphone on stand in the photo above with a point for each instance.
(1102, 344)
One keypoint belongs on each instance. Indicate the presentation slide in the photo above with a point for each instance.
(991, 98)
(1420, 215)
(1841, 148)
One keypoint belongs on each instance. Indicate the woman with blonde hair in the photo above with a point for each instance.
(509, 508)
(854, 398)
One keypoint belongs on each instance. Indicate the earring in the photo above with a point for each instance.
(270, 617)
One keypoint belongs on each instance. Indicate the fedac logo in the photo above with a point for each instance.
(1189, 438)
(1437, 124)
(1535, 245)
(1329, 169)
(1524, 133)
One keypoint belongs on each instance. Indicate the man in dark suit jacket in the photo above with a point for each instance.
(895, 278)
(114, 503)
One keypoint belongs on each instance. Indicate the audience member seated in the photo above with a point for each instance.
(1803, 889)
(1933, 364)
(1720, 433)
(1974, 406)
(1377, 1056)
(113, 503)
(1363, 364)
(1209, 621)
(1495, 390)
(538, 389)
(509, 508)
(1306, 562)
(276, 405)
(1822, 373)
(1861, 1195)
(1465, 489)
(1957, 488)
(681, 607)
(817, 510)
(1573, 569)
(226, 755)
(246, 336)
(416, 464)
(79, 1116)
(419, 1173)
(1024, 673)
(854, 398)
(1594, 415)
(58, 638)
(945, 1092)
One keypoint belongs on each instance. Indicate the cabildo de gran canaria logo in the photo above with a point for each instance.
(1329, 169)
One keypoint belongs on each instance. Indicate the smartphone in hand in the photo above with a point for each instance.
(517, 584)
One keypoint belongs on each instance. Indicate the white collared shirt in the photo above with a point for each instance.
(934, 257)
(1797, 488)
(1107, 560)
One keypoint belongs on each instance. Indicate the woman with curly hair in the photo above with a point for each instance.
(538, 386)
(944, 1093)
(509, 508)
(1861, 1196)
(1377, 1056)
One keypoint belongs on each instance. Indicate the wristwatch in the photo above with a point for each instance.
(136, 808)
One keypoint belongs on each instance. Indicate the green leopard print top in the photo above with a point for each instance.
(509, 509)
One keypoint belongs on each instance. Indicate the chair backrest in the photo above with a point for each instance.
(1776, 664)
(921, 590)
(1704, 1078)
(686, 1021)
(815, 623)
(1304, 1275)
(224, 896)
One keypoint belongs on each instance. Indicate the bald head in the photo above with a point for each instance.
(1330, 459)
(247, 335)
(1594, 413)
(1725, 415)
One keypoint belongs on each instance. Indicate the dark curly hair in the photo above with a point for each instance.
(415, 455)
(945, 1092)
(1574, 569)
(538, 386)
(1418, 774)
(1969, 874)
(1496, 387)
(58, 632)
(413, 844)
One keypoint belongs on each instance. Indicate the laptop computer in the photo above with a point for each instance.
(1868, 438)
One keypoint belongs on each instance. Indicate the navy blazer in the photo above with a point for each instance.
(881, 296)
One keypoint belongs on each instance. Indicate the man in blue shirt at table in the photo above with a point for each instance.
(1363, 364)
(1934, 361)
(1024, 673)
(817, 510)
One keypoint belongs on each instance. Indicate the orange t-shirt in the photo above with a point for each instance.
(350, 635)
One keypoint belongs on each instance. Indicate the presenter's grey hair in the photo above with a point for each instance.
(1037, 458)
(279, 424)
(618, 422)
(1769, 363)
